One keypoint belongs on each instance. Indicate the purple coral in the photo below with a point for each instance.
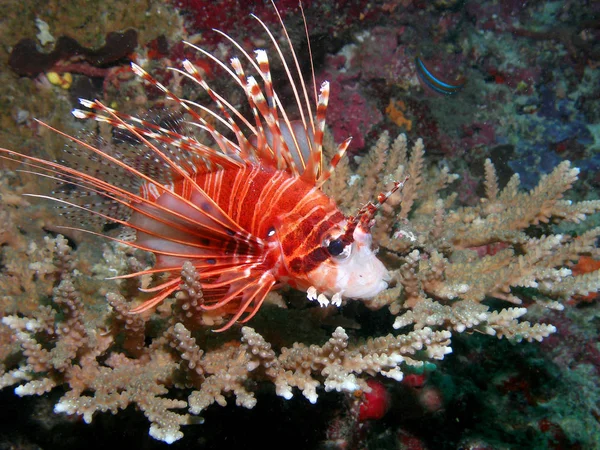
(351, 112)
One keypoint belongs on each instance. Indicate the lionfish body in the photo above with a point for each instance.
(247, 210)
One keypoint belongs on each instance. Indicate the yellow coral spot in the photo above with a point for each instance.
(53, 78)
(64, 81)
(522, 86)
(67, 81)
(395, 111)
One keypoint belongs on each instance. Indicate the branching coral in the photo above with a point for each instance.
(449, 260)
(447, 263)
(60, 347)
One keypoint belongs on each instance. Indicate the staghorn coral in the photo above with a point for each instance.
(447, 262)
(468, 254)
(60, 348)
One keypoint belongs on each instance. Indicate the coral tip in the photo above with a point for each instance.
(375, 403)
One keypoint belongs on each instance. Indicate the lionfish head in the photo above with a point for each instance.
(352, 268)
(358, 272)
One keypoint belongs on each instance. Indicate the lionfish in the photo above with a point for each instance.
(247, 210)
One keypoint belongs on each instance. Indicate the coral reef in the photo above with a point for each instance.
(471, 253)
(497, 266)
(448, 262)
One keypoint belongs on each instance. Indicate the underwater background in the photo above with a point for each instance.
(515, 82)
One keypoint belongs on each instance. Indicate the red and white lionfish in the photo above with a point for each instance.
(247, 210)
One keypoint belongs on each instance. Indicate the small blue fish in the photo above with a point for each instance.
(435, 83)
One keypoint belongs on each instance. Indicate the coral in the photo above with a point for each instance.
(455, 267)
(438, 245)
(350, 112)
(447, 262)
(229, 14)
(375, 403)
(396, 111)
(60, 348)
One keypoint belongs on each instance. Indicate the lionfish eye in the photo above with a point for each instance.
(335, 247)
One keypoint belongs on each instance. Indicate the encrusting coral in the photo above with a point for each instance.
(446, 262)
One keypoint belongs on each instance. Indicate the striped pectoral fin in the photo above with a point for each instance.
(251, 294)
(230, 292)
(164, 290)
